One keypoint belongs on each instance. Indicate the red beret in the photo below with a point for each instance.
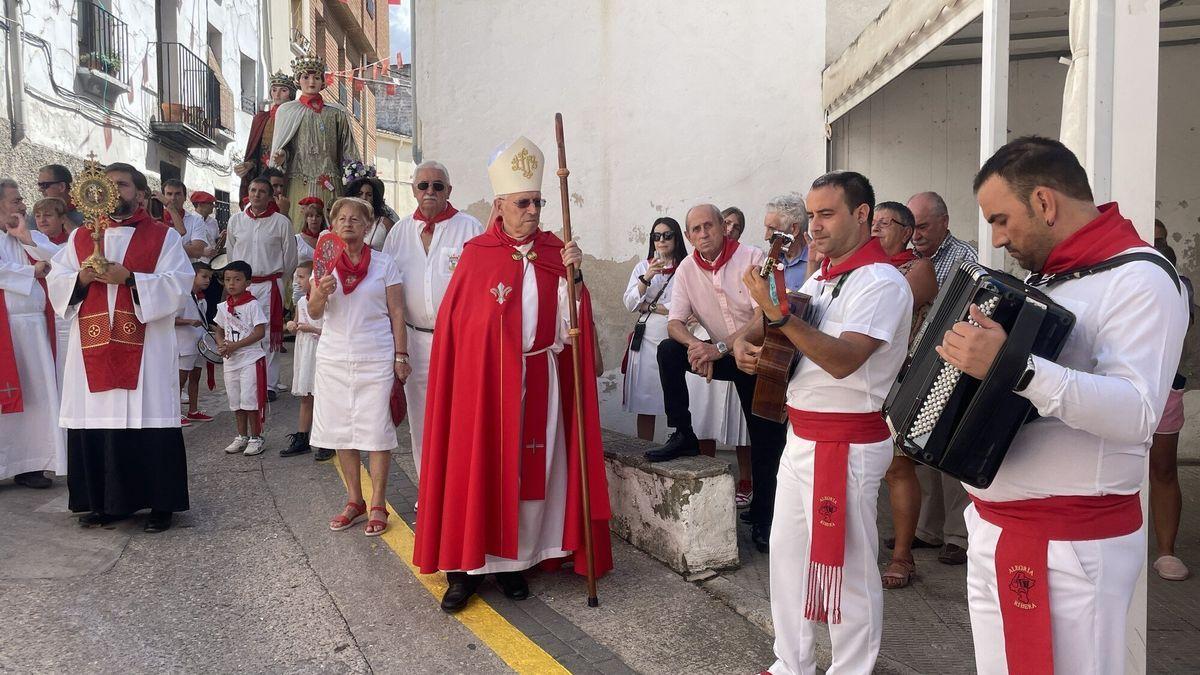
(313, 200)
(201, 197)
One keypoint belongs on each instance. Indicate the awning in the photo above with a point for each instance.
(904, 33)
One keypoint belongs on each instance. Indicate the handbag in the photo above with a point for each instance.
(634, 340)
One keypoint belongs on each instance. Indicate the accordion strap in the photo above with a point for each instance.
(1111, 263)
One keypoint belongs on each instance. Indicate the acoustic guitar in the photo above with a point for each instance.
(778, 354)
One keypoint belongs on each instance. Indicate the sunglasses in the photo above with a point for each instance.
(438, 186)
(524, 203)
(45, 185)
(662, 236)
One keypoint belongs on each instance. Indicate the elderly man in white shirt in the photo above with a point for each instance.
(426, 247)
(262, 236)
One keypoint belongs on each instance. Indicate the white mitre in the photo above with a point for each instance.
(516, 167)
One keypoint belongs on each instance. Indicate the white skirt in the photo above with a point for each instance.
(716, 411)
(304, 364)
(351, 405)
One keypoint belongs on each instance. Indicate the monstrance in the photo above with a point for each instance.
(96, 197)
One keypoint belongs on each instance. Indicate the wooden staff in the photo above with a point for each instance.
(572, 293)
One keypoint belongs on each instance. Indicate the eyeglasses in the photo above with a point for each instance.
(524, 203)
(438, 186)
(662, 236)
(46, 185)
(888, 222)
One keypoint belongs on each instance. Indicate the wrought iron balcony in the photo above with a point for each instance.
(189, 100)
(103, 41)
(249, 104)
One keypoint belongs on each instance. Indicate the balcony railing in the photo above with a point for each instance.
(300, 41)
(249, 104)
(189, 102)
(103, 41)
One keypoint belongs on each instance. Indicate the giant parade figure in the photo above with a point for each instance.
(262, 132)
(311, 140)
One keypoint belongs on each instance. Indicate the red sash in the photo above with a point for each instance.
(1022, 573)
(48, 310)
(445, 215)
(833, 434)
(275, 318)
(10, 377)
(260, 381)
(112, 349)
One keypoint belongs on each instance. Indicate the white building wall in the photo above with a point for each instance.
(62, 124)
(666, 104)
(393, 162)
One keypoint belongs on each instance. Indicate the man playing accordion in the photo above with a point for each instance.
(1056, 540)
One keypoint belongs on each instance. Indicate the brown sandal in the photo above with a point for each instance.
(899, 574)
(376, 523)
(347, 518)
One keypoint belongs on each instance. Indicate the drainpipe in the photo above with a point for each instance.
(15, 71)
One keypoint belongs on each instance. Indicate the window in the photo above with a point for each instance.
(249, 85)
(214, 42)
(371, 8)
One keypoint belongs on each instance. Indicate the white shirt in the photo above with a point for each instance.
(197, 229)
(656, 324)
(874, 300)
(267, 244)
(304, 252)
(357, 327)
(1102, 400)
(426, 275)
(238, 325)
(186, 337)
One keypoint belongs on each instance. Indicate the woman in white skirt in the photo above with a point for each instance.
(361, 353)
(649, 296)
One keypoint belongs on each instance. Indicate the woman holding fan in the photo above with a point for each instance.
(362, 352)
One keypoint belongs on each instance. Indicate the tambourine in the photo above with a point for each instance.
(207, 344)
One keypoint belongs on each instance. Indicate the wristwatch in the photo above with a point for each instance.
(722, 348)
(1026, 377)
(401, 359)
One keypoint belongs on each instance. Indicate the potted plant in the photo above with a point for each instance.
(105, 62)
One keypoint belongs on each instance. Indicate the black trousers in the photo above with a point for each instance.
(766, 437)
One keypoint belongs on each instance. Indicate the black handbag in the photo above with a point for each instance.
(639, 328)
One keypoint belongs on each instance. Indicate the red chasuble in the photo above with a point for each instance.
(477, 465)
(112, 348)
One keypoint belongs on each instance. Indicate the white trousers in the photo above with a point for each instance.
(1091, 586)
(420, 346)
(856, 639)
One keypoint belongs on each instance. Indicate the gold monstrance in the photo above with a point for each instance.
(96, 197)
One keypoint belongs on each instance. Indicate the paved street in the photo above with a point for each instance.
(251, 579)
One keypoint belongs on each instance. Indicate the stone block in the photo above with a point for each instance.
(681, 512)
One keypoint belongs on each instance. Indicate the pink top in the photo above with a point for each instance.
(719, 300)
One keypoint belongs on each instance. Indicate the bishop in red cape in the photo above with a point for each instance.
(500, 480)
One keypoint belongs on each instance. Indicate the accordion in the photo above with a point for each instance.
(951, 421)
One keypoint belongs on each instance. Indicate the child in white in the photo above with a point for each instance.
(189, 327)
(304, 360)
(241, 327)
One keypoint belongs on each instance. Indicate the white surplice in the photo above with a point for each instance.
(33, 440)
(540, 522)
(268, 245)
(155, 402)
(425, 276)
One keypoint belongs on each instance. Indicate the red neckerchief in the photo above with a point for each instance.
(350, 273)
(869, 253)
(313, 102)
(112, 353)
(498, 231)
(1109, 234)
(60, 238)
(446, 214)
(904, 256)
(272, 207)
(234, 301)
(832, 433)
(726, 253)
(309, 232)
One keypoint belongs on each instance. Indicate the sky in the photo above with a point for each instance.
(400, 25)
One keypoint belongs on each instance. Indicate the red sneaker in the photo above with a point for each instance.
(199, 416)
(184, 421)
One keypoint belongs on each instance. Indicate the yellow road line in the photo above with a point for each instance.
(506, 640)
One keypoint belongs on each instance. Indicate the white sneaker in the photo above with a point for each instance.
(238, 444)
(255, 446)
(281, 387)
